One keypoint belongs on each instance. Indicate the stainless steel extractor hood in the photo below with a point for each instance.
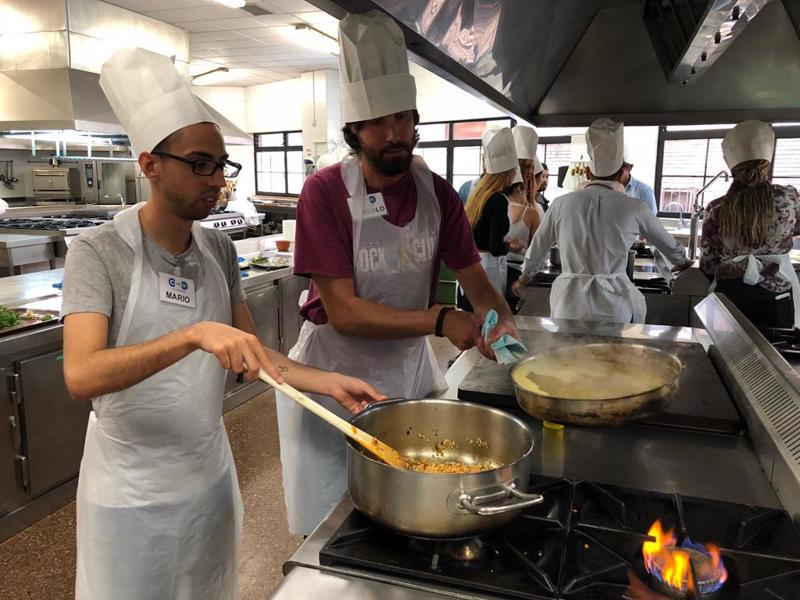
(50, 59)
(565, 62)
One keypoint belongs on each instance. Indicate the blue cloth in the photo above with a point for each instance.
(507, 349)
(642, 191)
(466, 189)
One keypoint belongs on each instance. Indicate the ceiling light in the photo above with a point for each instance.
(231, 3)
(314, 39)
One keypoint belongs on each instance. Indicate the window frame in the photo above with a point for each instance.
(450, 144)
(285, 148)
(705, 134)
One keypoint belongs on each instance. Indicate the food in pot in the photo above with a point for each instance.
(434, 465)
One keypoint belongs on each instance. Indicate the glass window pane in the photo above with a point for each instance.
(295, 138)
(467, 162)
(677, 193)
(434, 132)
(716, 162)
(459, 180)
(270, 139)
(685, 157)
(787, 158)
(277, 183)
(270, 161)
(716, 190)
(295, 183)
(294, 160)
(472, 130)
(435, 158)
(792, 181)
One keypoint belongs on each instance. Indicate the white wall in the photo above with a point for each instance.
(274, 106)
(440, 100)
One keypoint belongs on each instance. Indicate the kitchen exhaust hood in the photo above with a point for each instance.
(51, 52)
(566, 62)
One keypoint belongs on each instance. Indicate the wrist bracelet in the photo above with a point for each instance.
(440, 320)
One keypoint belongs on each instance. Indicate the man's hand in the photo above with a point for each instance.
(235, 349)
(354, 394)
(516, 287)
(504, 326)
(462, 328)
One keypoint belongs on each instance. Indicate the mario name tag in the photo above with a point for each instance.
(375, 206)
(176, 290)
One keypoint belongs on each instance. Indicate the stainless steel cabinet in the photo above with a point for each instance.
(55, 424)
(263, 304)
(11, 493)
(291, 288)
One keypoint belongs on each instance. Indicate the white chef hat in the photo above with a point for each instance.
(749, 140)
(150, 98)
(373, 66)
(606, 143)
(525, 141)
(499, 153)
(538, 167)
(517, 176)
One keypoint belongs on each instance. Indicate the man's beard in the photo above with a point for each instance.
(391, 165)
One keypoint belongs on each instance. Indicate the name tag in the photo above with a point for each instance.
(176, 290)
(375, 206)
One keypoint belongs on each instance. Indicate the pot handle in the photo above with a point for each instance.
(478, 505)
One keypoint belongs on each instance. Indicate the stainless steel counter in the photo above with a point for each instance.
(650, 458)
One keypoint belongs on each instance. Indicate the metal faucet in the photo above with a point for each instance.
(697, 210)
(680, 211)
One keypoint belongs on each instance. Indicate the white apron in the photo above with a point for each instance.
(394, 266)
(159, 511)
(608, 297)
(752, 275)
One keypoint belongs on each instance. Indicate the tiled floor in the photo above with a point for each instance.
(39, 563)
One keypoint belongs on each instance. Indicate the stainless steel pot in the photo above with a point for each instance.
(555, 256)
(565, 406)
(433, 505)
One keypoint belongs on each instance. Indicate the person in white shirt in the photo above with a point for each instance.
(594, 227)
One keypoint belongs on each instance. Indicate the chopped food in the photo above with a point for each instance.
(8, 318)
(271, 262)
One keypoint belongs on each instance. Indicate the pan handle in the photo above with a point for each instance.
(479, 505)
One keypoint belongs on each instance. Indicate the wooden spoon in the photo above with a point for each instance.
(386, 453)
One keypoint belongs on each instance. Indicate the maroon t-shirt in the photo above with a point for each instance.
(324, 233)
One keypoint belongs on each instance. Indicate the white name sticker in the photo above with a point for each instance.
(176, 290)
(375, 206)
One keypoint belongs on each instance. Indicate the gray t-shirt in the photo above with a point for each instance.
(97, 273)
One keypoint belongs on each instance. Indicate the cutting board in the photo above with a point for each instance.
(701, 403)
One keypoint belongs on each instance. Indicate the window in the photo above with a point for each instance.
(280, 169)
(555, 153)
(453, 149)
(786, 168)
(690, 159)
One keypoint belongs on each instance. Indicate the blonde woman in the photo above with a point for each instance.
(747, 234)
(487, 206)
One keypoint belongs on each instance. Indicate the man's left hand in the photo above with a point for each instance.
(353, 394)
(504, 326)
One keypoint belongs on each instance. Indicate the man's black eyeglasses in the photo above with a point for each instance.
(206, 166)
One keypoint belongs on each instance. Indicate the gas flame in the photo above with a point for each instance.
(670, 563)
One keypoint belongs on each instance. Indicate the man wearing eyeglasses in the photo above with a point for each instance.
(154, 316)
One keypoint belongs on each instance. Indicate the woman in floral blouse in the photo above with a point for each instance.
(747, 234)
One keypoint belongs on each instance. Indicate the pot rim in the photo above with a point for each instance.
(677, 363)
(380, 405)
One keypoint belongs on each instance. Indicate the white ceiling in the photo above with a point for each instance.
(256, 49)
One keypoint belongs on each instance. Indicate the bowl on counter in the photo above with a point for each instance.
(283, 245)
